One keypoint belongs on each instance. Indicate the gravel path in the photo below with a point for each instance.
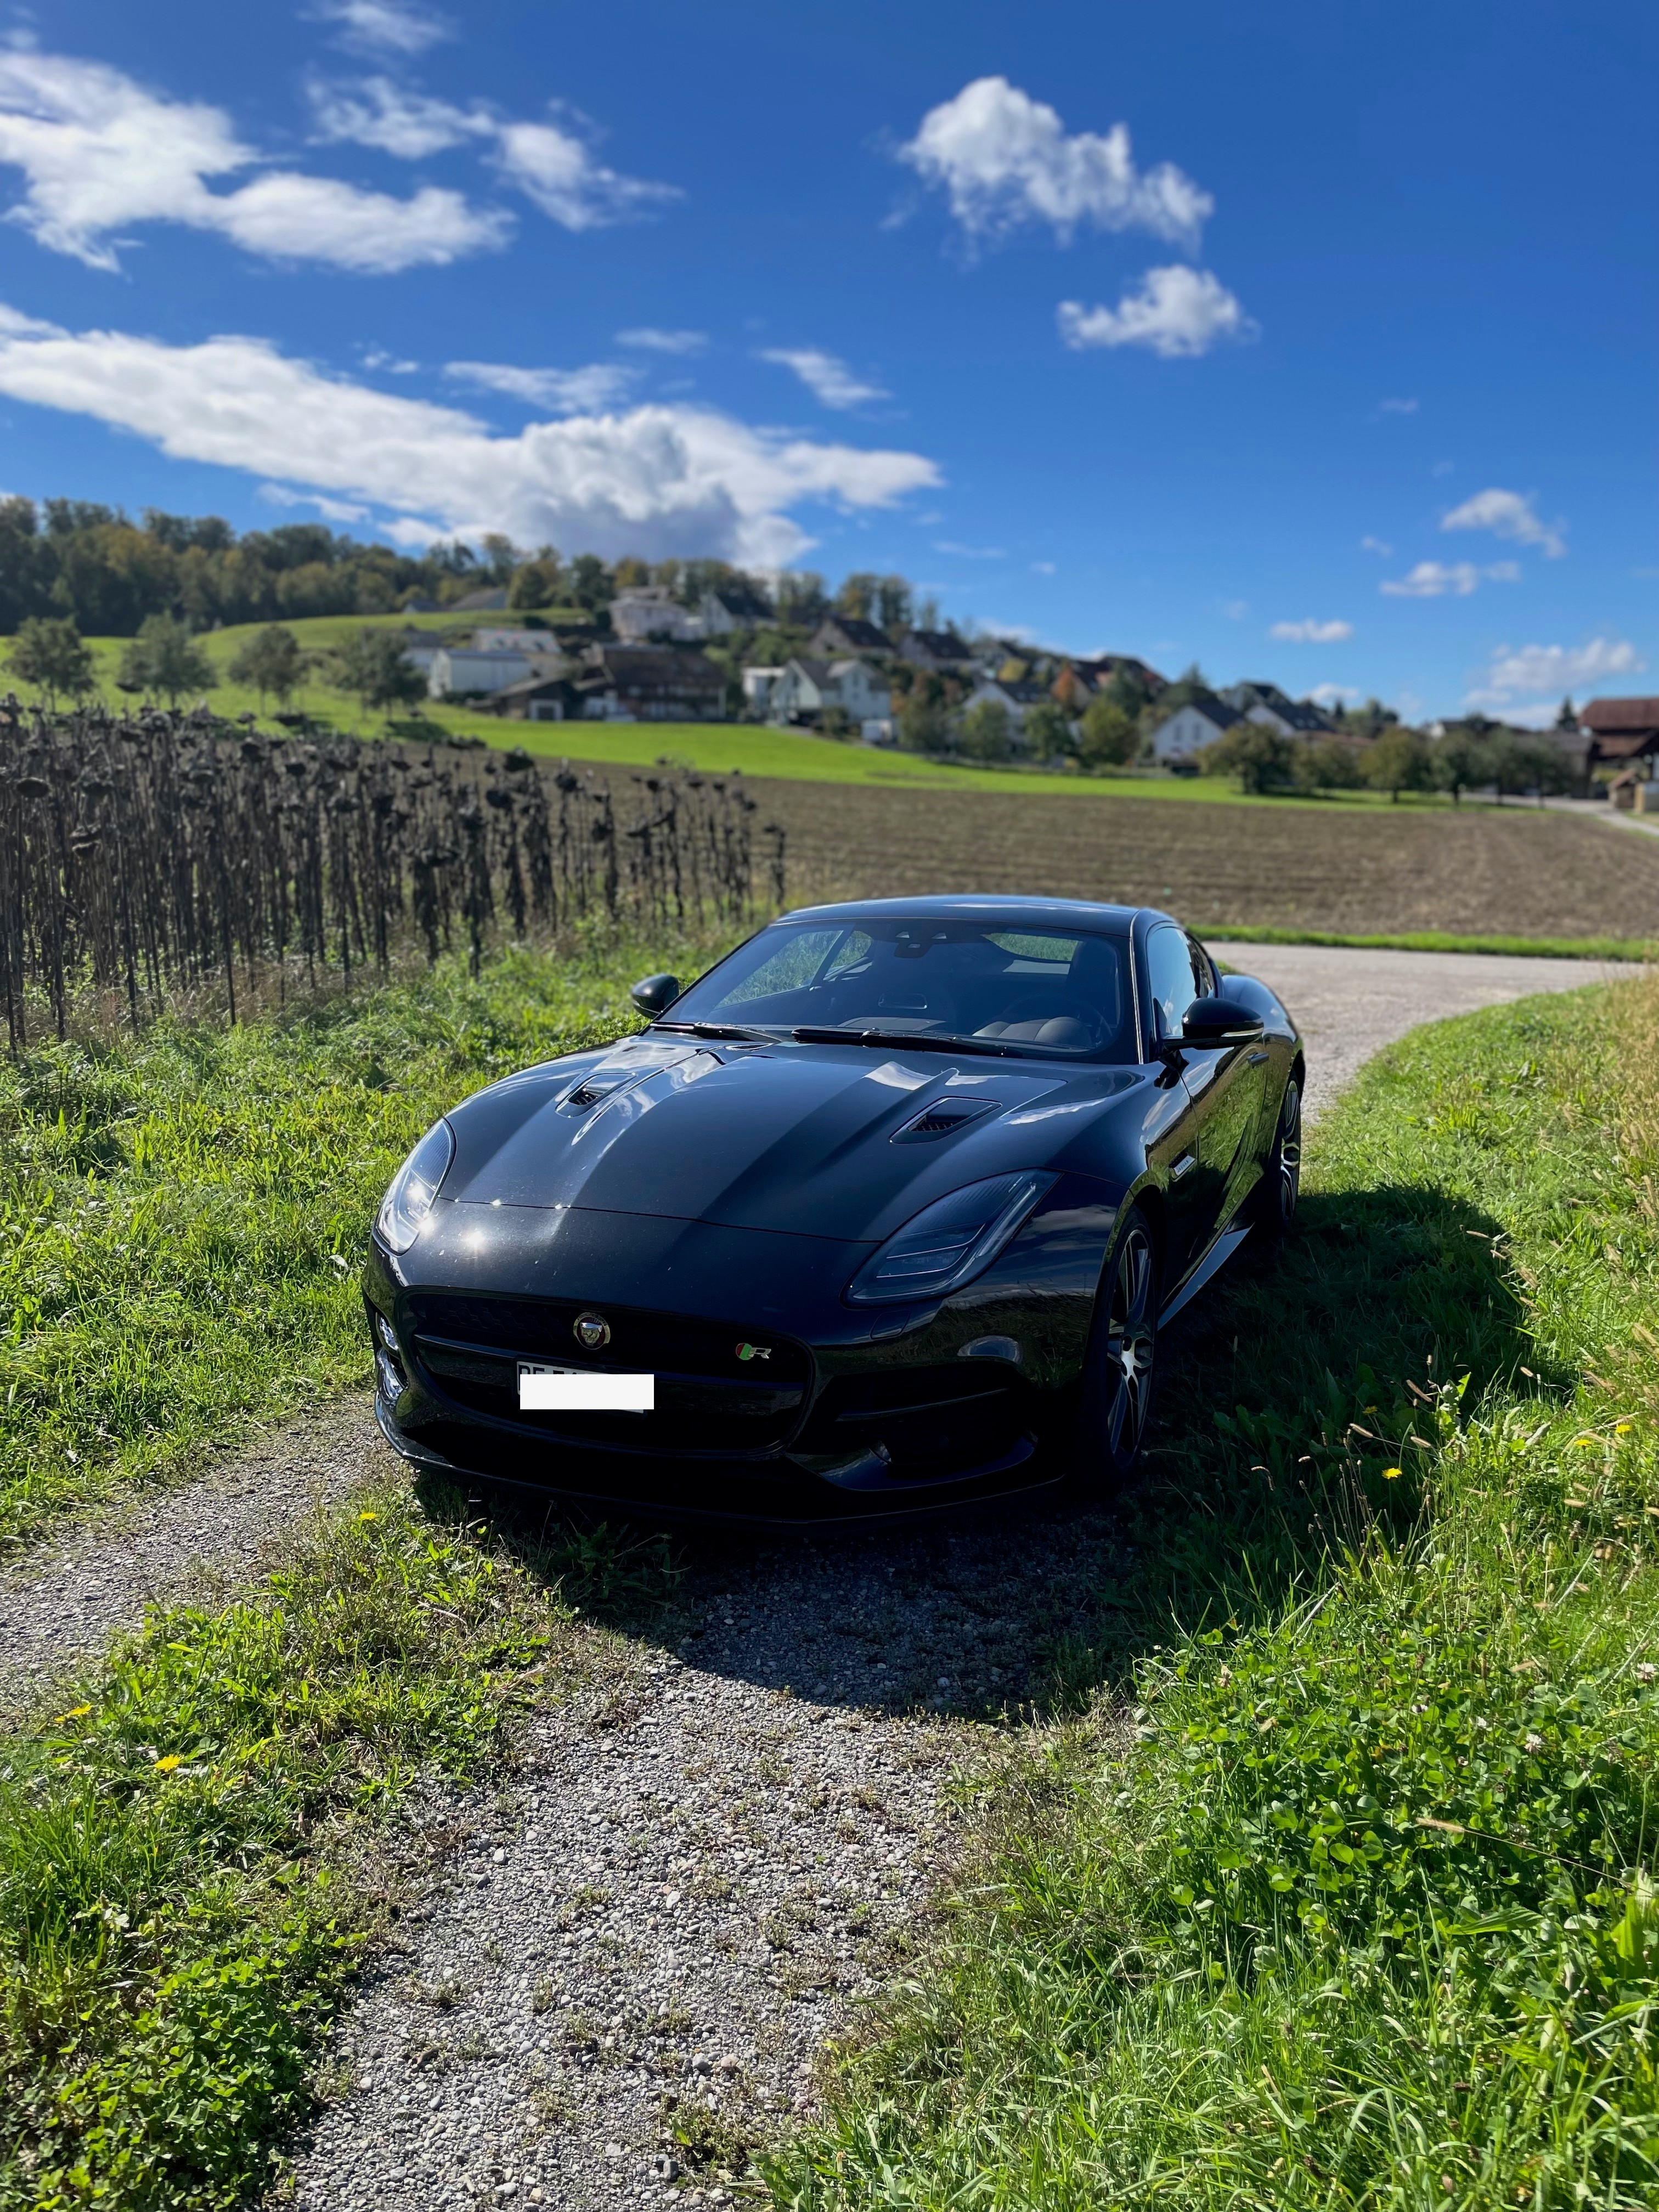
(65, 1598)
(1351, 1002)
(648, 1930)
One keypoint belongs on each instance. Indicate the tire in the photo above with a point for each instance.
(1117, 1391)
(1280, 1187)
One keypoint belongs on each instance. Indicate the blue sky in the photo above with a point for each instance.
(1314, 343)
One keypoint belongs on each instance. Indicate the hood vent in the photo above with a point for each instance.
(943, 1116)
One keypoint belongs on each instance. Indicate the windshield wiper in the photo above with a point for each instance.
(917, 1041)
(718, 1030)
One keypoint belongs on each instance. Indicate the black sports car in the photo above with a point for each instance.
(884, 1213)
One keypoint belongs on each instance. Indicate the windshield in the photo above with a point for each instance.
(1030, 990)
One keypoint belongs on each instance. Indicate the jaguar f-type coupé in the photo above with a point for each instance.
(883, 1214)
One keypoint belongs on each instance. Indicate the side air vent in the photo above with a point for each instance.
(943, 1116)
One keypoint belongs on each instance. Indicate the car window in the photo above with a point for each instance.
(1204, 976)
(1045, 991)
(1169, 971)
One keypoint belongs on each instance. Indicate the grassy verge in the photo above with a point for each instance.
(1441, 941)
(197, 1852)
(1338, 1892)
(181, 1214)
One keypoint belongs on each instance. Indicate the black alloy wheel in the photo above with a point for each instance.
(1118, 1394)
(1281, 1171)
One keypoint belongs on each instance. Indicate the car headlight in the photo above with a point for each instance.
(409, 1201)
(948, 1242)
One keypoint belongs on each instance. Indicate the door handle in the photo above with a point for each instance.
(1256, 1059)
(1180, 1167)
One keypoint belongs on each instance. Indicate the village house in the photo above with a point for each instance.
(806, 689)
(1100, 667)
(545, 698)
(941, 649)
(757, 688)
(839, 636)
(514, 641)
(463, 671)
(650, 612)
(733, 607)
(1622, 733)
(1178, 741)
(649, 683)
(1266, 704)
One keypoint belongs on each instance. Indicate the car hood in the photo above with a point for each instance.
(799, 1139)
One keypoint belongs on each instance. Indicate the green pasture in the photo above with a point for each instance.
(710, 748)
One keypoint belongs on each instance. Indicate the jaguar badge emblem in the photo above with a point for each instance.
(591, 1331)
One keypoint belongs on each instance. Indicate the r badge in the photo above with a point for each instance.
(754, 1351)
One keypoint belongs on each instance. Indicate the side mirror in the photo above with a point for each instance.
(655, 994)
(1220, 1021)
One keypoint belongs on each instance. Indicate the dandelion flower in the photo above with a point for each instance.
(166, 1765)
(1623, 1428)
(1587, 1444)
(368, 1516)
(77, 1713)
(1391, 1474)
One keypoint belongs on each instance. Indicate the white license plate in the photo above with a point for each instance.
(578, 1390)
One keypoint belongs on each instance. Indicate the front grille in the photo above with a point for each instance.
(710, 1398)
(929, 1419)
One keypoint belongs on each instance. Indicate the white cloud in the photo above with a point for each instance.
(1003, 159)
(658, 480)
(826, 377)
(1042, 567)
(1455, 579)
(1234, 610)
(1396, 407)
(1376, 546)
(654, 341)
(564, 391)
(332, 510)
(389, 27)
(1553, 671)
(971, 552)
(1507, 514)
(1176, 310)
(1331, 694)
(549, 162)
(389, 364)
(1311, 632)
(99, 154)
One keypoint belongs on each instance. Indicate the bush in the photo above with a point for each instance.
(1260, 757)
(987, 733)
(1110, 736)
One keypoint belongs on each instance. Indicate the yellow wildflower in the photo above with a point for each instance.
(1391, 1474)
(1623, 1428)
(368, 1516)
(166, 1765)
(77, 1713)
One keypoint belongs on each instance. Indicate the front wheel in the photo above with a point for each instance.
(1117, 1395)
(1280, 1186)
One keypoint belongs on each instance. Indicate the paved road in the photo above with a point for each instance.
(1349, 1002)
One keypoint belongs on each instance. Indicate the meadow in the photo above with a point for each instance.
(711, 747)
(1337, 1891)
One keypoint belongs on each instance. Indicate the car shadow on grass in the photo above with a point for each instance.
(1299, 1399)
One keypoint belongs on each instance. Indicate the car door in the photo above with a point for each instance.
(1234, 1081)
(1175, 1135)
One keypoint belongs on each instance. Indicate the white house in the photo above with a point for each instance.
(1266, 704)
(422, 648)
(1185, 733)
(733, 607)
(804, 690)
(647, 611)
(1015, 699)
(758, 684)
(459, 669)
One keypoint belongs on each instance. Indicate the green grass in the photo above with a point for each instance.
(1441, 941)
(1337, 1892)
(182, 1214)
(714, 748)
(194, 1853)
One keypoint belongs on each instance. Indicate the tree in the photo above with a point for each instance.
(502, 557)
(923, 721)
(373, 668)
(1259, 757)
(536, 583)
(630, 574)
(1047, 729)
(1461, 761)
(1327, 764)
(48, 653)
(1399, 760)
(270, 663)
(987, 734)
(589, 582)
(857, 597)
(1568, 717)
(893, 605)
(1108, 738)
(164, 658)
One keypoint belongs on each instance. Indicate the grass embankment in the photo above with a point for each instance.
(1440, 940)
(1354, 1906)
(182, 1214)
(196, 1853)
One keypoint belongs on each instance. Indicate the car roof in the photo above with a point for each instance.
(1008, 910)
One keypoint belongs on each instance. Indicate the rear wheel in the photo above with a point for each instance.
(1117, 1396)
(1280, 1186)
